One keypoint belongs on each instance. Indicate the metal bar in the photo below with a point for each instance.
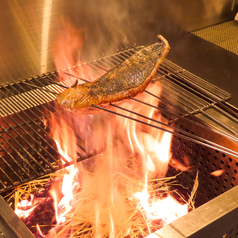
(62, 115)
(96, 65)
(3, 184)
(218, 122)
(22, 128)
(53, 82)
(67, 83)
(189, 120)
(90, 72)
(23, 150)
(168, 65)
(41, 138)
(56, 115)
(199, 110)
(32, 85)
(198, 89)
(17, 152)
(37, 142)
(188, 135)
(5, 174)
(171, 104)
(202, 142)
(87, 69)
(224, 111)
(187, 96)
(8, 165)
(10, 223)
(86, 81)
(19, 144)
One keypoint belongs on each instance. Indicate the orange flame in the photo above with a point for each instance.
(153, 144)
(65, 140)
(133, 153)
(67, 47)
(97, 192)
(168, 209)
(108, 204)
(218, 172)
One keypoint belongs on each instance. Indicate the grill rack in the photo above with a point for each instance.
(27, 150)
(26, 143)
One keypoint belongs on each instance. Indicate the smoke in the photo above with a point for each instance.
(103, 26)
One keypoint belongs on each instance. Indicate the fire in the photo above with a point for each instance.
(217, 172)
(167, 209)
(111, 194)
(66, 143)
(25, 207)
(154, 145)
(67, 47)
(108, 191)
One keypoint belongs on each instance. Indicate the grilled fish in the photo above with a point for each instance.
(122, 82)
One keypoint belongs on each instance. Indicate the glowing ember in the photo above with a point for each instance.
(217, 172)
(25, 207)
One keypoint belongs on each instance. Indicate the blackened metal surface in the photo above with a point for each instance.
(208, 61)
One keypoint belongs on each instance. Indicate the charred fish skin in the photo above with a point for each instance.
(126, 80)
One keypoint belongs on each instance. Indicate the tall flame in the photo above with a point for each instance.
(104, 194)
(65, 140)
(100, 191)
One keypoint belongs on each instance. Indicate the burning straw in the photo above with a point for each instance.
(105, 206)
(94, 214)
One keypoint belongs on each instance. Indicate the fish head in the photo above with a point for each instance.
(76, 97)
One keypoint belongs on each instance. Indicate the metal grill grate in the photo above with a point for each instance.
(203, 123)
(26, 148)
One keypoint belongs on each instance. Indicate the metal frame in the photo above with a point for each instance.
(10, 223)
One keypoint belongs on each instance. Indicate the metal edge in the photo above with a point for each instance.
(215, 218)
(10, 223)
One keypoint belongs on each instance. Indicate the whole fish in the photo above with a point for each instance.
(122, 82)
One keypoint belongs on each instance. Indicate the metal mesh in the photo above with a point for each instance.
(223, 35)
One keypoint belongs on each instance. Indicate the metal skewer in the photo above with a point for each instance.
(84, 80)
(181, 133)
(58, 84)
